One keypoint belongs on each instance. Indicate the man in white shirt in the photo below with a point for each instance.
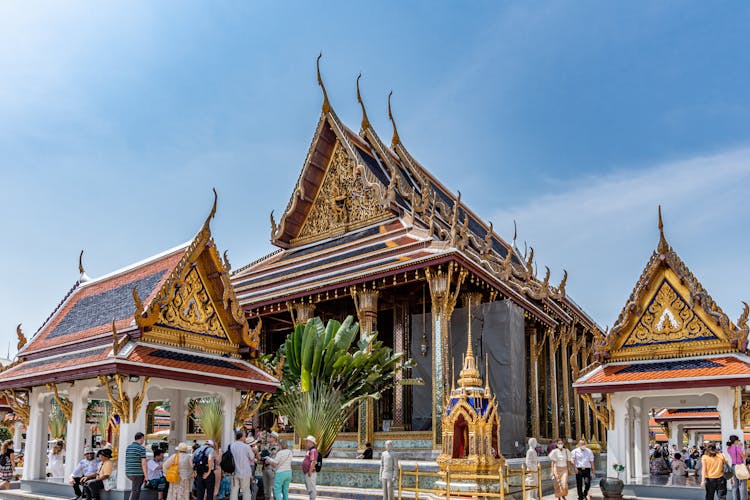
(388, 470)
(583, 460)
(244, 461)
(155, 475)
(86, 468)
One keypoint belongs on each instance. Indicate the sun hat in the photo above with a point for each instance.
(275, 434)
(311, 439)
(183, 447)
(209, 442)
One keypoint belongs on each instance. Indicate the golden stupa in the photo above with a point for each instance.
(471, 424)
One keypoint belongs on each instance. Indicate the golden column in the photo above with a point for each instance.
(566, 335)
(443, 303)
(534, 353)
(366, 305)
(300, 312)
(586, 409)
(554, 343)
(575, 366)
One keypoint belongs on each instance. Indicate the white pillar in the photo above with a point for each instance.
(726, 414)
(672, 434)
(230, 400)
(628, 436)
(78, 396)
(691, 439)
(35, 459)
(638, 432)
(616, 439)
(128, 431)
(18, 435)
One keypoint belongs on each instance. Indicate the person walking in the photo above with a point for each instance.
(243, 467)
(712, 470)
(93, 487)
(204, 464)
(737, 453)
(532, 470)
(269, 470)
(388, 470)
(282, 462)
(7, 464)
(135, 464)
(583, 461)
(86, 468)
(180, 490)
(560, 464)
(309, 464)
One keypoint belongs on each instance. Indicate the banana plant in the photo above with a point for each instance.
(326, 370)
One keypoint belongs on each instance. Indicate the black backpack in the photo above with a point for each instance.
(3, 460)
(227, 461)
(319, 461)
(200, 460)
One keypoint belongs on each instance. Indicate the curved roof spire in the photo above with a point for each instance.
(396, 139)
(326, 103)
(212, 213)
(365, 121)
(663, 245)
(83, 276)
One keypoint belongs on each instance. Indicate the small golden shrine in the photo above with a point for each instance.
(471, 424)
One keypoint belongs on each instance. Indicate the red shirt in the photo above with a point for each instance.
(311, 458)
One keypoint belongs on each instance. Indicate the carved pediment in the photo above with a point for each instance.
(346, 200)
(668, 319)
(192, 310)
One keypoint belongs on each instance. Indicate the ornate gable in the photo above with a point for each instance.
(670, 314)
(344, 201)
(336, 191)
(197, 307)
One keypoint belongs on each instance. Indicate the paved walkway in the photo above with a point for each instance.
(596, 493)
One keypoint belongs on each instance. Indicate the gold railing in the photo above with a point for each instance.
(507, 482)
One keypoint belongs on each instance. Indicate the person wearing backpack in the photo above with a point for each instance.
(311, 466)
(241, 468)
(205, 468)
(178, 470)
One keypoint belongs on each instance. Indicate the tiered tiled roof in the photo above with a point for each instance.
(395, 196)
(174, 315)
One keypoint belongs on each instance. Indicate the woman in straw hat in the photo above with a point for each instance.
(181, 489)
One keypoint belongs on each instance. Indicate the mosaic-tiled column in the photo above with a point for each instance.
(443, 294)
(366, 304)
(567, 332)
(534, 375)
(400, 326)
(554, 342)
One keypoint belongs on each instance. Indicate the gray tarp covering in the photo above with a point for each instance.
(498, 330)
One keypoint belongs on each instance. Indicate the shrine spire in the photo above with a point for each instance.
(396, 139)
(663, 245)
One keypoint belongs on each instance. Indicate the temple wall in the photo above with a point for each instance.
(498, 330)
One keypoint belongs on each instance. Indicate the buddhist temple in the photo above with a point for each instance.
(166, 329)
(370, 231)
(673, 359)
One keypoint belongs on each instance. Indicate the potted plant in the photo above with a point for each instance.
(612, 487)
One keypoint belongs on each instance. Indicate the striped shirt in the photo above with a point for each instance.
(133, 455)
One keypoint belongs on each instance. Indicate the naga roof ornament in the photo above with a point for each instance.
(326, 103)
(365, 122)
(83, 276)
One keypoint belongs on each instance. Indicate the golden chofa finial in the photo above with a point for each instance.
(212, 213)
(83, 276)
(395, 139)
(365, 122)
(326, 103)
(663, 245)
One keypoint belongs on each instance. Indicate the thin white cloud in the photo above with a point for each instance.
(603, 229)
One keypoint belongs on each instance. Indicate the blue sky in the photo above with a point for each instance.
(574, 118)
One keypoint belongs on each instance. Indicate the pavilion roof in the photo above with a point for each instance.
(704, 371)
(174, 315)
(672, 414)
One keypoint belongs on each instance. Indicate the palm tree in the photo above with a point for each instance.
(208, 414)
